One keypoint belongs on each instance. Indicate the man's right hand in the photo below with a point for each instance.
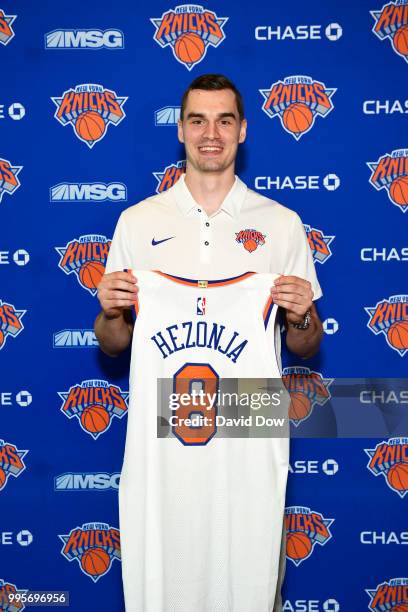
(117, 292)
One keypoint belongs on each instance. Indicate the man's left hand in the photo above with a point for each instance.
(295, 295)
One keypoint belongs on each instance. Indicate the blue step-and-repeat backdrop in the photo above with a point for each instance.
(88, 109)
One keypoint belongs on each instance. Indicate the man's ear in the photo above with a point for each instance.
(180, 133)
(243, 131)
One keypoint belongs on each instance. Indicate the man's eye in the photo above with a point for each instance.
(197, 121)
(226, 122)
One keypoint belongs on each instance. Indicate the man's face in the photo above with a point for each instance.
(211, 130)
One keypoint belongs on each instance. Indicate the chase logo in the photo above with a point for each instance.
(87, 481)
(319, 244)
(392, 22)
(84, 39)
(90, 109)
(306, 389)
(390, 458)
(389, 595)
(169, 176)
(94, 546)
(390, 317)
(86, 258)
(189, 29)
(6, 31)
(8, 603)
(8, 177)
(390, 172)
(304, 529)
(88, 192)
(11, 462)
(333, 32)
(75, 338)
(297, 101)
(166, 116)
(94, 403)
(311, 605)
(10, 322)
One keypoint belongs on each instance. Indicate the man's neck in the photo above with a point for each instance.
(209, 190)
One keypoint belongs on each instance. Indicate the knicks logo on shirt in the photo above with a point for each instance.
(10, 322)
(392, 22)
(86, 257)
(304, 529)
(390, 317)
(306, 389)
(189, 29)
(94, 546)
(390, 172)
(250, 238)
(11, 462)
(389, 595)
(297, 101)
(94, 403)
(390, 458)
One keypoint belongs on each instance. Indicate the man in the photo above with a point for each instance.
(210, 225)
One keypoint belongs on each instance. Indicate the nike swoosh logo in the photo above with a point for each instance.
(156, 242)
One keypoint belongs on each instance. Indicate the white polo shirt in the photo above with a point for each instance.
(249, 233)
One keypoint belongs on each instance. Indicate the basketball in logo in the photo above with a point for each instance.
(399, 190)
(397, 335)
(297, 118)
(90, 126)
(91, 274)
(298, 545)
(189, 48)
(250, 245)
(299, 406)
(95, 561)
(398, 476)
(400, 608)
(400, 40)
(95, 419)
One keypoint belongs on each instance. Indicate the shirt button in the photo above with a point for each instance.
(206, 243)
(207, 224)
(199, 210)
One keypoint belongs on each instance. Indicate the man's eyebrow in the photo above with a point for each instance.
(219, 116)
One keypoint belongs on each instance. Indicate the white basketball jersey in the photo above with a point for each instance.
(200, 515)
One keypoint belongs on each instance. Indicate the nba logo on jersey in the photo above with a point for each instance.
(201, 305)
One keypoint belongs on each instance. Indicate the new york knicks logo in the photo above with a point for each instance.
(10, 322)
(8, 177)
(306, 389)
(392, 22)
(169, 176)
(6, 31)
(390, 317)
(390, 172)
(189, 29)
(297, 101)
(389, 595)
(390, 458)
(85, 257)
(94, 546)
(304, 529)
(90, 109)
(250, 238)
(11, 462)
(319, 244)
(94, 403)
(8, 599)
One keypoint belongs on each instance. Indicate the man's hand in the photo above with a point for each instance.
(117, 291)
(295, 295)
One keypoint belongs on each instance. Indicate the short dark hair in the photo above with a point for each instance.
(213, 82)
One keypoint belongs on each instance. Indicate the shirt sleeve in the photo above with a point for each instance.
(299, 261)
(119, 257)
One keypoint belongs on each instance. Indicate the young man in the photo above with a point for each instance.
(209, 225)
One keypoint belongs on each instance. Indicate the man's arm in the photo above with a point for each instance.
(117, 293)
(295, 295)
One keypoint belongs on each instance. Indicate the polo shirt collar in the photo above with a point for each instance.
(231, 205)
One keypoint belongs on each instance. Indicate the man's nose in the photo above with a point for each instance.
(211, 130)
